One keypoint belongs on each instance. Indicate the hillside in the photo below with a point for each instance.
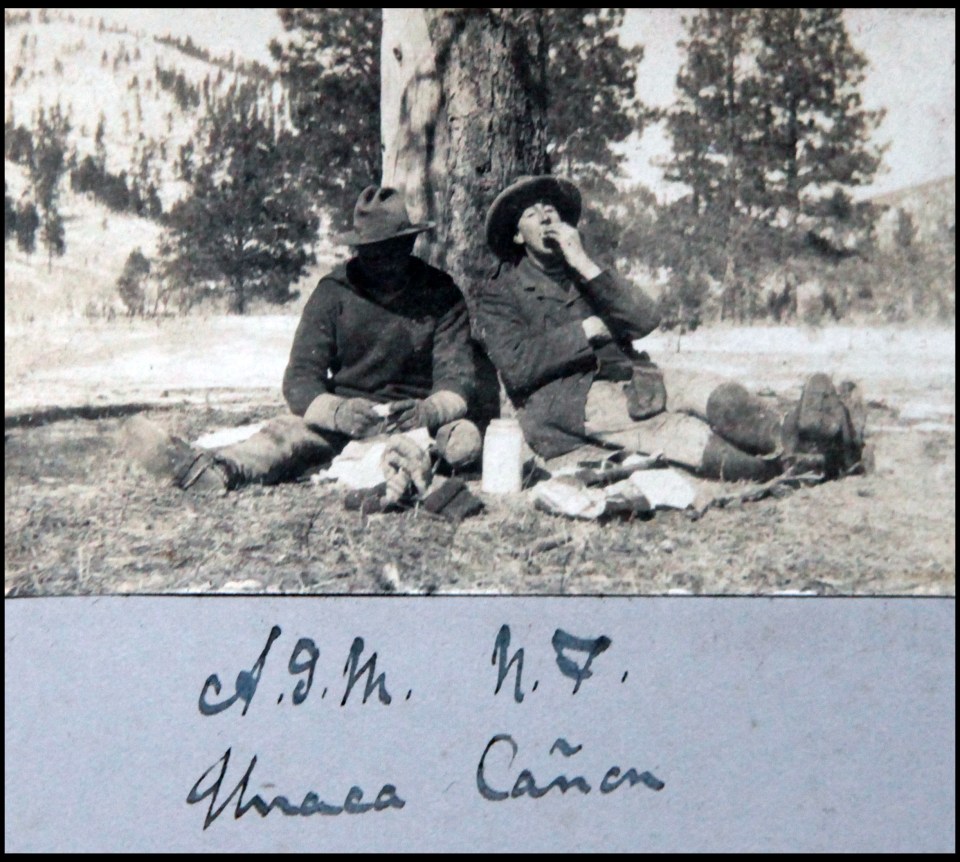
(149, 94)
(147, 97)
(931, 206)
(83, 280)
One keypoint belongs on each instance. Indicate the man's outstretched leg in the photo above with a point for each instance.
(166, 456)
(279, 451)
(741, 437)
(681, 438)
(822, 432)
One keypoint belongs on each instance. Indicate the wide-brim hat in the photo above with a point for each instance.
(380, 214)
(508, 206)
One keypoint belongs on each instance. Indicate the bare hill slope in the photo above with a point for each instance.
(150, 94)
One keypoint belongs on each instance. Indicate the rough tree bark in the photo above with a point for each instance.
(463, 107)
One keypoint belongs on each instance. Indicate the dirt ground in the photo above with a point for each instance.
(79, 519)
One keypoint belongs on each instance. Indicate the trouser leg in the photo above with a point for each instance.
(282, 450)
(682, 438)
(689, 391)
(741, 418)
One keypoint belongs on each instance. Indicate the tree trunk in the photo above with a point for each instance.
(730, 190)
(238, 287)
(463, 114)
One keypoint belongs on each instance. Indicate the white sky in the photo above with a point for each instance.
(912, 74)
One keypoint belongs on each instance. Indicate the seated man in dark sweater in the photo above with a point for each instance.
(383, 345)
(560, 330)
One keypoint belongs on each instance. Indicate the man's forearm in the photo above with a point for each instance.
(447, 406)
(584, 266)
(628, 312)
(322, 411)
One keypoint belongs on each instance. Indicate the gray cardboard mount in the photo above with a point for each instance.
(774, 724)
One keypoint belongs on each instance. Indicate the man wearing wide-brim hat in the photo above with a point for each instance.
(382, 346)
(561, 331)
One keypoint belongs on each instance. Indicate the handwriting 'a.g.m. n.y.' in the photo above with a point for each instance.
(310, 805)
(563, 644)
(303, 662)
(245, 687)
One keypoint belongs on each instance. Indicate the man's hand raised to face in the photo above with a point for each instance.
(566, 238)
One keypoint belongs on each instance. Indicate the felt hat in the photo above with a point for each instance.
(380, 214)
(508, 206)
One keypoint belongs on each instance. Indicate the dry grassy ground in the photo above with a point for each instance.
(80, 519)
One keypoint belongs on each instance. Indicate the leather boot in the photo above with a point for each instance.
(722, 460)
(165, 456)
(744, 420)
(822, 415)
(824, 432)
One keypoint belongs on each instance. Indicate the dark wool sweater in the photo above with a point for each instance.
(351, 343)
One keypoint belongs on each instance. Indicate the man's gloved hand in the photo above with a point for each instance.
(403, 463)
(356, 418)
(414, 413)
(438, 409)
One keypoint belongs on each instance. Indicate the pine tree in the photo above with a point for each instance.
(471, 118)
(9, 215)
(53, 234)
(592, 105)
(809, 75)
(331, 67)
(770, 119)
(47, 167)
(591, 91)
(714, 114)
(246, 228)
(27, 223)
(905, 229)
(130, 284)
(769, 134)
(715, 126)
(99, 143)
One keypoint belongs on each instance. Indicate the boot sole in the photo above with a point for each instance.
(822, 414)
